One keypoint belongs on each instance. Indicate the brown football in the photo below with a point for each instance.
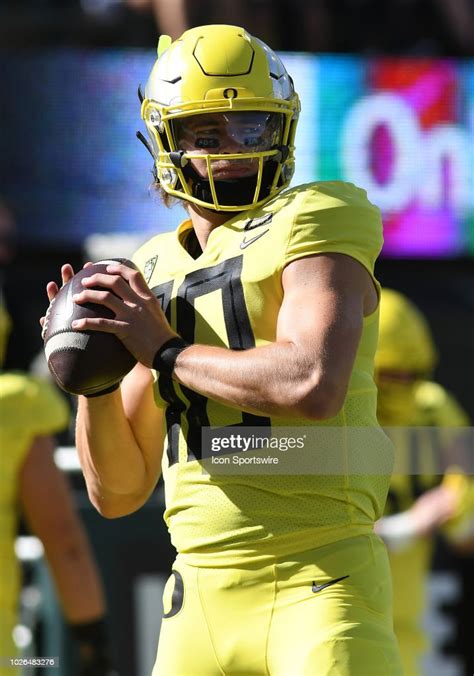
(83, 362)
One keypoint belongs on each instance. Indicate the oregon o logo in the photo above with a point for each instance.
(230, 93)
(172, 606)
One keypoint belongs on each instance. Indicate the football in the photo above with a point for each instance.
(83, 362)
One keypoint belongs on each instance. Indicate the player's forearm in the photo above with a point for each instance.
(275, 379)
(76, 576)
(111, 459)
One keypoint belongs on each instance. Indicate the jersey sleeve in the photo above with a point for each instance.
(452, 414)
(29, 407)
(48, 410)
(336, 218)
(440, 406)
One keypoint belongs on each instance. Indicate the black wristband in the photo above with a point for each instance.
(90, 632)
(107, 390)
(167, 355)
(94, 649)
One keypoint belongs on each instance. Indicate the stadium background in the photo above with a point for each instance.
(394, 117)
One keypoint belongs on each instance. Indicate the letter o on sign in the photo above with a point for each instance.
(401, 123)
(230, 93)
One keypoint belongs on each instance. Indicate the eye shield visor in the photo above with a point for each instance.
(239, 131)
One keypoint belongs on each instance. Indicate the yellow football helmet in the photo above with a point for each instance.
(5, 329)
(222, 73)
(405, 341)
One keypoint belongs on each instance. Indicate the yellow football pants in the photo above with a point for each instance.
(324, 612)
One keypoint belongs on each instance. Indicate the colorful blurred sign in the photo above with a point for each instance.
(404, 130)
(401, 128)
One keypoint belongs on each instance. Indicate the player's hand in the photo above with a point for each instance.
(94, 651)
(95, 664)
(433, 509)
(67, 272)
(139, 321)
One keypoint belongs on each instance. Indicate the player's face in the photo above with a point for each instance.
(227, 133)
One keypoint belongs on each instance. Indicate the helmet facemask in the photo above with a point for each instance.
(238, 167)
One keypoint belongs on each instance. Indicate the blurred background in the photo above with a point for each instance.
(387, 90)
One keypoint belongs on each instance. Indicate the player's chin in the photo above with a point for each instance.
(233, 176)
(226, 170)
(228, 173)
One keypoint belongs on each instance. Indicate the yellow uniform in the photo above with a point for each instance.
(28, 407)
(230, 296)
(427, 405)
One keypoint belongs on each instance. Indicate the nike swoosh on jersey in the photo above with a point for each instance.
(319, 587)
(247, 242)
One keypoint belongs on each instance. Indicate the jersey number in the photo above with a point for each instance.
(224, 277)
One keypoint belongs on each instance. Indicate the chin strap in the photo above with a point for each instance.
(141, 138)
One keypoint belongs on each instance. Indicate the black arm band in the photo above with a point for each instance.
(94, 658)
(107, 390)
(94, 632)
(167, 355)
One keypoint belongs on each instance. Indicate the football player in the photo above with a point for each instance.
(259, 311)
(421, 502)
(31, 412)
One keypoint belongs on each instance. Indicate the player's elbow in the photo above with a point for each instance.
(318, 408)
(320, 400)
(111, 511)
(115, 507)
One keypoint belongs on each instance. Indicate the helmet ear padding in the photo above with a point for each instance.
(284, 152)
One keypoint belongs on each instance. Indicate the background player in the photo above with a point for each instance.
(420, 502)
(276, 293)
(31, 411)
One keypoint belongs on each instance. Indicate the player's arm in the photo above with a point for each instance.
(119, 438)
(47, 505)
(306, 371)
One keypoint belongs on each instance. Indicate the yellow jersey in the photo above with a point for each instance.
(230, 296)
(430, 408)
(28, 407)
(419, 452)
